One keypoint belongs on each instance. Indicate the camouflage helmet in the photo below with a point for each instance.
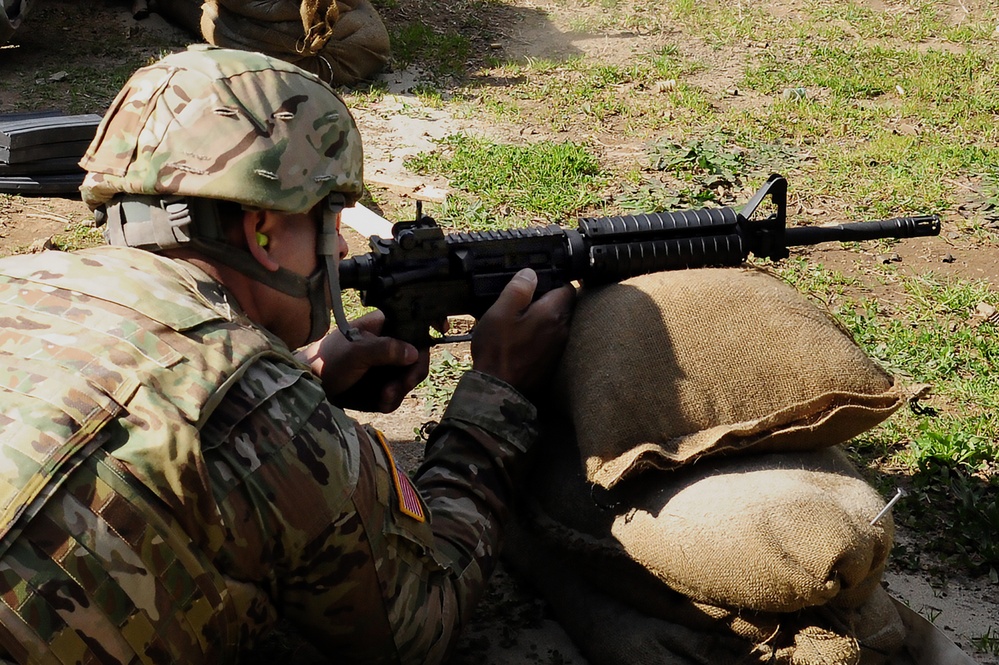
(226, 124)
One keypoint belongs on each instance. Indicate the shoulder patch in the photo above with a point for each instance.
(410, 503)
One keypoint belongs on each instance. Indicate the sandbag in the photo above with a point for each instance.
(185, 13)
(689, 508)
(711, 361)
(768, 533)
(354, 49)
(630, 620)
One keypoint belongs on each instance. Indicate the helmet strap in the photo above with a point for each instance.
(161, 223)
(329, 252)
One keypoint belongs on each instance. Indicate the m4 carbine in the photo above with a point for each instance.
(421, 276)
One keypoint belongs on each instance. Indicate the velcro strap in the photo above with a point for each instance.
(149, 223)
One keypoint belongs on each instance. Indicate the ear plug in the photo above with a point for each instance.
(262, 239)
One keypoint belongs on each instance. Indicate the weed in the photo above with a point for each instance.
(707, 157)
(437, 388)
(78, 236)
(987, 642)
(548, 180)
(718, 159)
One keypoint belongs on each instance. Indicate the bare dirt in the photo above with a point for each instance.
(513, 625)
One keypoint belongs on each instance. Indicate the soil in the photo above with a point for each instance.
(513, 625)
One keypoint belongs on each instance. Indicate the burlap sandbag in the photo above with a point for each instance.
(619, 617)
(768, 533)
(730, 359)
(356, 48)
(347, 42)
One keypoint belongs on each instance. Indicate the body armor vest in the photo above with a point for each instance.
(119, 354)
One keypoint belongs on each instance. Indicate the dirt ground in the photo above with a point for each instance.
(513, 625)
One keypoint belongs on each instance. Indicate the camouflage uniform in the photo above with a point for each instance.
(173, 477)
(208, 486)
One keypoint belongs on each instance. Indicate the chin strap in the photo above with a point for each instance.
(328, 249)
(159, 223)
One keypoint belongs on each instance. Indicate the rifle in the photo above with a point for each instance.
(420, 276)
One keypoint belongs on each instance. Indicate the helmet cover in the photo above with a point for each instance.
(226, 124)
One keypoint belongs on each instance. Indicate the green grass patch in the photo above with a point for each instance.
(79, 236)
(445, 54)
(515, 184)
(919, 22)
(647, 93)
(858, 71)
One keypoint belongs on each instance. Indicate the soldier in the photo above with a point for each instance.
(175, 476)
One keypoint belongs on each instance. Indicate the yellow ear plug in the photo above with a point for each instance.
(262, 239)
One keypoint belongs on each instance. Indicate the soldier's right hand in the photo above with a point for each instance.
(519, 341)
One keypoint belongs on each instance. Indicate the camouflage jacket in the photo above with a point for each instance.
(213, 466)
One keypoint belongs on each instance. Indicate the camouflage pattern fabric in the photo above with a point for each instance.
(265, 132)
(226, 491)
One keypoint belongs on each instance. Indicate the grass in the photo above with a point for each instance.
(448, 52)
(78, 236)
(547, 180)
(437, 388)
(988, 642)
(898, 117)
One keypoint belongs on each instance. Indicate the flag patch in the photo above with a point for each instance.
(410, 502)
(409, 498)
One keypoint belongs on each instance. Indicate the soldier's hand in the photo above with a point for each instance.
(520, 341)
(373, 373)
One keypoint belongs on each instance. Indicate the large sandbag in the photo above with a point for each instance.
(684, 364)
(619, 619)
(343, 48)
(768, 533)
(343, 42)
(185, 13)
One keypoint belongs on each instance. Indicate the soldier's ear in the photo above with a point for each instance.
(257, 240)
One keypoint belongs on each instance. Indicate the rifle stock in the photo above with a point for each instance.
(421, 276)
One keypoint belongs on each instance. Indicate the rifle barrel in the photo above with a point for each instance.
(897, 227)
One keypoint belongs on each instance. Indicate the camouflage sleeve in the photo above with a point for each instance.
(467, 478)
(368, 568)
